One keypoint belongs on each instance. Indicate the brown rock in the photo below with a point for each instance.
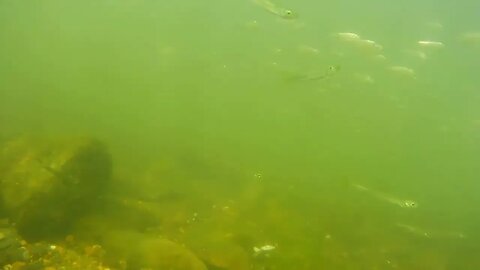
(144, 251)
(47, 184)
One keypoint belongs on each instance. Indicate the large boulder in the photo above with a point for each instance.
(47, 184)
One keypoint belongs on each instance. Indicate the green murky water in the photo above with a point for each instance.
(240, 128)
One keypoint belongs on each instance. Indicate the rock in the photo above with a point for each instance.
(221, 250)
(144, 251)
(11, 245)
(226, 256)
(165, 254)
(46, 184)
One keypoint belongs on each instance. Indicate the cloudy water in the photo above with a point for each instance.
(243, 134)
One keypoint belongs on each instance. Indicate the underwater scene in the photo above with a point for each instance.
(239, 135)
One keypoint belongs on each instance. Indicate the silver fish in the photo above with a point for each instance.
(414, 230)
(274, 9)
(438, 234)
(314, 75)
(386, 197)
(263, 250)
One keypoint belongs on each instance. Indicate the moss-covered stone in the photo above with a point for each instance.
(146, 251)
(46, 184)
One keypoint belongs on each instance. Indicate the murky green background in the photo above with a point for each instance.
(195, 97)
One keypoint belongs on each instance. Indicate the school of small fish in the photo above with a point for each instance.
(420, 51)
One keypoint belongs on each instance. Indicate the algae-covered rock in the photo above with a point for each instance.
(47, 184)
(220, 249)
(11, 245)
(225, 256)
(18, 254)
(146, 251)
